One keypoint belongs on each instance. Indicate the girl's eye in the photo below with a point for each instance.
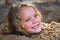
(35, 15)
(27, 19)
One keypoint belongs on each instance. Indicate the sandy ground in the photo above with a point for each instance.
(50, 31)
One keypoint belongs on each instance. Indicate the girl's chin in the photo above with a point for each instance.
(35, 31)
(38, 31)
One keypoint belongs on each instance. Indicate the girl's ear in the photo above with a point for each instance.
(23, 26)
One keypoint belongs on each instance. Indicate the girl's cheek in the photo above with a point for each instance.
(27, 28)
(28, 25)
(39, 19)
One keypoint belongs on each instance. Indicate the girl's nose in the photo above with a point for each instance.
(34, 20)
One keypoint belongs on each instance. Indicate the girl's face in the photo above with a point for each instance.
(30, 20)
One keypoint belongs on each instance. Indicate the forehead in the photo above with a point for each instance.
(25, 12)
(26, 9)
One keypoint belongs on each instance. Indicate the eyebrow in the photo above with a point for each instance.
(27, 18)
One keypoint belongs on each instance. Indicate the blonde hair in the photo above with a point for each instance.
(14, 21)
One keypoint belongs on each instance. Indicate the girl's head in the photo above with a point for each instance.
(25, 18)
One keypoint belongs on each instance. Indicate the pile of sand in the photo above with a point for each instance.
(50, 31)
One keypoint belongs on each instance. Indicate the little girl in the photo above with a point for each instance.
(25, 18)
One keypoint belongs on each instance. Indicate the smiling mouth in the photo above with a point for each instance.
(36, 26)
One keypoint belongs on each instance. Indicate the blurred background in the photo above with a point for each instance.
(50, 11)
